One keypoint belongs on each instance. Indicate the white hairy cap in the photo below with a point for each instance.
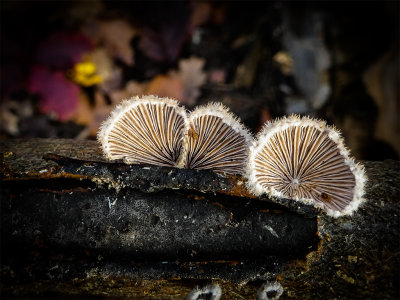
(217, 140)
(157, 131)
(145, 130)
(211, 291)
(269, 288)
(305, 160)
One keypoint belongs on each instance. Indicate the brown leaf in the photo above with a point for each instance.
(92, 116)
(192, 76)
(166, 86)
(132, 88)
(117, 36)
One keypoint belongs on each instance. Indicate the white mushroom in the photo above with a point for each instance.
(145, 130)
(305, 160)
(211, 291)
(216, 140)
(270, 291)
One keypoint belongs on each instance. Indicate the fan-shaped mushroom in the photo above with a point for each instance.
(152, 130)
(305, 160)
(148, 130)
(216, 140)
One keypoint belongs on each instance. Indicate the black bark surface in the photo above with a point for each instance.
(75, 224)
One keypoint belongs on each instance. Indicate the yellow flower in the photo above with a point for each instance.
(84, 73)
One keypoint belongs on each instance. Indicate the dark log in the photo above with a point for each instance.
(74, 223)
(165, 226)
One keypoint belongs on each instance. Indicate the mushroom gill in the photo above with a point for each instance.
(216, 140)
(145, 130)
(305, 160)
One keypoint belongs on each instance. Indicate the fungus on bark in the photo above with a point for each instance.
(145, 130)
(306, 160)
(157, 131)
(270, 291)
(216, 140)
(211, 291)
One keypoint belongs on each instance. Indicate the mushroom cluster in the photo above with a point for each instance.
(296, 158)
(152, 130)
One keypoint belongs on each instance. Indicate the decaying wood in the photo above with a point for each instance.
(74, 223)
(50, 159)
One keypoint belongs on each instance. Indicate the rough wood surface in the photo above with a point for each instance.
(35, 159)
(50, 185)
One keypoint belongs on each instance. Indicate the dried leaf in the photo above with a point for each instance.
(57, 94)
(165, 44)
(103, 62)
(117, 36)
(284, 61)
(182, 84)
(11, 112)
(208, 12)
(166, 86)
(201, 13)
(84, 112)
(132, 88)
(192, 76)
(217, 76)
(92, 116)
(381, 81)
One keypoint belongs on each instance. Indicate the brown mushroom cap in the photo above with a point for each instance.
(305, 160)
(145, 130)
(216, 140)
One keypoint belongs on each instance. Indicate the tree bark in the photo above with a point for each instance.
(71, 220)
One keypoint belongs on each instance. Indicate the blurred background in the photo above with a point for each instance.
(66, 64)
